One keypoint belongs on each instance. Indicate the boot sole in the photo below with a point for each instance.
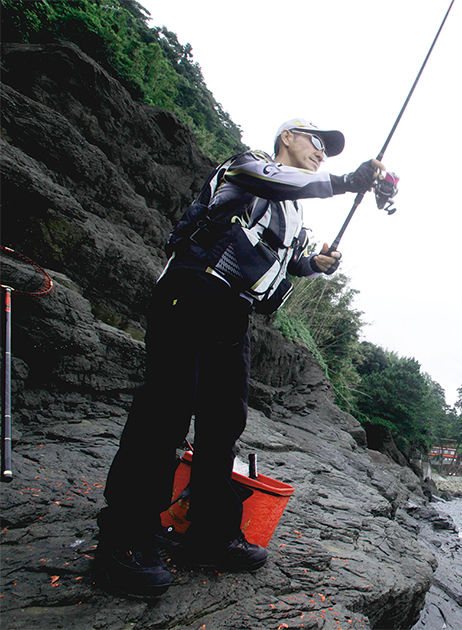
(225, 565)
(102, 580)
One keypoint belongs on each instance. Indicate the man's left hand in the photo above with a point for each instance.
(327, 262)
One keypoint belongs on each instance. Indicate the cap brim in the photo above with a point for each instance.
(334, 141)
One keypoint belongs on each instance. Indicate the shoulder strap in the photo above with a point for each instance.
(210, 186)
(197, 211)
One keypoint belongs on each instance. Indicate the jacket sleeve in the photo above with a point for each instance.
(256, 173)
(300, 263)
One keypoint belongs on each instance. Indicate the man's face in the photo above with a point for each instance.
(302, 153)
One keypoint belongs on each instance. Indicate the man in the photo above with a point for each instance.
(223, 263)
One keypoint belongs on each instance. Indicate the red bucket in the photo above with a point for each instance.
(261, 511)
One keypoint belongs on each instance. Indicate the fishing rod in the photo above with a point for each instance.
(18, 274)
(386, 187)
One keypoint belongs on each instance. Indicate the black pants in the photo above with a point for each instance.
(198, 363)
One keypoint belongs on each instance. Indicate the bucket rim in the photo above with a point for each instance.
(262, 483)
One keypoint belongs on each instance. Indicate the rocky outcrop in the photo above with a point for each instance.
(439, 535)
(92, 181)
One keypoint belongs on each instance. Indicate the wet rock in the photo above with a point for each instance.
(437, 531)
(338, 552)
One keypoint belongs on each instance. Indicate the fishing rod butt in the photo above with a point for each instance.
(7, 472)
(7, 476)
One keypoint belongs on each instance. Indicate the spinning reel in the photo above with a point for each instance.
(385, 188)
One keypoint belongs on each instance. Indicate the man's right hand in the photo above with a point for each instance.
(362, 179)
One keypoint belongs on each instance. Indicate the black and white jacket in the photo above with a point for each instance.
(251, 233)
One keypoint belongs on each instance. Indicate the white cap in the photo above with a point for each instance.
(334, 141)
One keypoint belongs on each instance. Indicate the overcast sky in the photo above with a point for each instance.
(349, 65)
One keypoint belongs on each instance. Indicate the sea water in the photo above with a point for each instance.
(453, 508)
(442, 610)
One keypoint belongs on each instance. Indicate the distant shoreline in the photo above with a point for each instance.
(451, 486)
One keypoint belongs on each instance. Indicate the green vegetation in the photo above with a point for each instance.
(377, 386)
(395, 393)
(149, 61)
(322, 310)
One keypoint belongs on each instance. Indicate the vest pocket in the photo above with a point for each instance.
(249, 261)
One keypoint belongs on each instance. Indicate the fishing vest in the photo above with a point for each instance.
(247, 240)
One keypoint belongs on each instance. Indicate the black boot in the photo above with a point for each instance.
(130, 570)
(238, 555)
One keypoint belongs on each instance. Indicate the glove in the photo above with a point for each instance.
(333, 268)
(358, 182)
(321, 268)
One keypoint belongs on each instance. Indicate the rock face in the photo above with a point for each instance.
(444, 600)
(92, 181)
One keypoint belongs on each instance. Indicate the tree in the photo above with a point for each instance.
(456, 419)
(370, 358)
(150, 62)
(395, 394)
(458, 403)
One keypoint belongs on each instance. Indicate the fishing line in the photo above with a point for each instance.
(359, 197)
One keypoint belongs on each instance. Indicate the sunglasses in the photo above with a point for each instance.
(316, 142)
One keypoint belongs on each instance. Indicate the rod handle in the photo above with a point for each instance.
(7, 474)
